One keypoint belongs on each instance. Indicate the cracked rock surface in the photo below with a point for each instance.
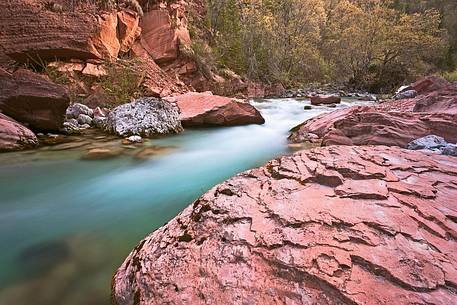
(334, 225)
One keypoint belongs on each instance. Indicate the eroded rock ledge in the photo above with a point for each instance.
(334, 225)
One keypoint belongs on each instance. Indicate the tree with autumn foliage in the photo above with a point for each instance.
(371, 44)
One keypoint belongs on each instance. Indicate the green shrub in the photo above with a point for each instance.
(450, 76)
(123, 81)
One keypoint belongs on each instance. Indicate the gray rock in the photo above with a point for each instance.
(100, 122)
(70, 128)
(135, 139)
(430, 142)
(84, 119)
(403, 89)
(144, 117)
(85, 126)
(76, 109)
(73, 122)
(406, 94)
(449, 150)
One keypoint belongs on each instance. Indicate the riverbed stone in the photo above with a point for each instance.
(427, 142)
(144, 117)
(77, 109)
(449, 150)
(325, 99)
(84, 119)
(101, 153)
(334, 225)
(14, 136)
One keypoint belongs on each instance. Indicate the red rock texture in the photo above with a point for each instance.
(163, 33)
(128, 29)
(394, 123)
(14, 136)
(429, 84)
(206, 109)
(440, 101)
(33, 100)
(325, 99)
(32, 32)
(336, 225)
(157, 82)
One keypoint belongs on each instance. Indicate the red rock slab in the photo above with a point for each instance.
(325, 99)
(364, 125)
(33, 100)
(206, 109)
(14, 136)
(440, 101)
(429, 84)
(280, 234)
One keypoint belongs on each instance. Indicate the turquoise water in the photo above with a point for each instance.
(67, 224)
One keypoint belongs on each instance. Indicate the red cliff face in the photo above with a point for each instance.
(32, 31)
(337, 225)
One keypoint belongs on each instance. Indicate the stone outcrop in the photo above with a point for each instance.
(394, 123)
(443, 100)
(429, 84)
(206, 109)
(144, 117)
(14, 136)
(33, 32)
(33, 100)
(162, 34)
(336, 225)
(128, 29)
(364, 125)
(325, 99)
(435, 144)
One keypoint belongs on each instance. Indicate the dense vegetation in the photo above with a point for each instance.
(370, 44)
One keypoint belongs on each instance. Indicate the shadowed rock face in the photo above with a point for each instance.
(33, 100)
(336, 225)
(14, 136)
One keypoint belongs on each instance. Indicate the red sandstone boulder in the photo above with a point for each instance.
(429, 84)
(275, 90)
(14, 136)
(390, 128)
(255, 90)
(365, 125)
(325, 99)
(206, 109)
(440, 101)
(32, 32)
(33, 100)
(337, 225)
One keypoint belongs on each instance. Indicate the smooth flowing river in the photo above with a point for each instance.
(66, 224)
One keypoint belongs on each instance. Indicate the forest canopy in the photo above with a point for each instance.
(369, 44)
